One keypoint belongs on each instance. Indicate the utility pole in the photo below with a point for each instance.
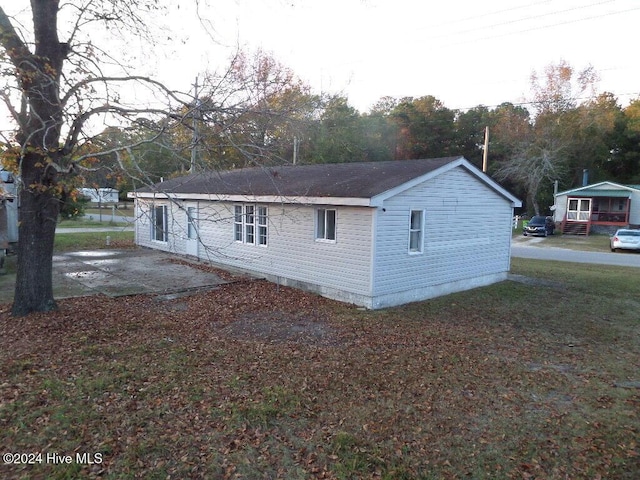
(295, 150)
(195, 140)
(485, 153)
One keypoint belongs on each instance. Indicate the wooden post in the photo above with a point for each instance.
(486, 149)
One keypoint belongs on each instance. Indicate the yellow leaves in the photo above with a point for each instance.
(38, 187)
(56, 190)
(73, 195)
(10, 159)
(50, 70)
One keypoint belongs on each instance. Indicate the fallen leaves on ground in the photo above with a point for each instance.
(253, 380)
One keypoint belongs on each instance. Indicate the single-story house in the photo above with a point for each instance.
(375, 234)
(100, 195)
(601, 207)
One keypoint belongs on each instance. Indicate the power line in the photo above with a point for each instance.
(519, 20)
(543, 27)
(511, 33)
(488, 14)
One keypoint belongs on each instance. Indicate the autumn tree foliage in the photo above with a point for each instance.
(251, 113)
(553, 146)
(60, 85)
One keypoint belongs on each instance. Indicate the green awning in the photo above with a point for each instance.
(593, 192)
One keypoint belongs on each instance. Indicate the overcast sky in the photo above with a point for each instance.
(463, 52)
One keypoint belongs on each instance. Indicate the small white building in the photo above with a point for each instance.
(8, 209)
(100, 195)
(374, 234)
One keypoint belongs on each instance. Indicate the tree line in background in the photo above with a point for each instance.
(259, 113)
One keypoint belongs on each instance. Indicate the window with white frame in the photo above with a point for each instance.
(159, 230)
(238, 222)
(262, 225)
(192, 231)
(416, 231)
(250, 224)
(326, 224)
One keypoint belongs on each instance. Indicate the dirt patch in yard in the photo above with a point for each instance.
(541, 282)
(282, 327)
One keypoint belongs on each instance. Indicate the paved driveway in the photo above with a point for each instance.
(120, 272)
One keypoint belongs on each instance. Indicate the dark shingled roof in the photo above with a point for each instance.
(355, 180)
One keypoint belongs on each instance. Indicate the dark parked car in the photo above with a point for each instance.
(539, 225)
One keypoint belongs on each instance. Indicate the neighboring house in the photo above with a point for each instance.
(100, 195)
(8, 209)
(373, 234)
(601, 208)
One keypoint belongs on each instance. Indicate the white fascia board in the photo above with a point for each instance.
(282, 199)
(378, 200)
(572, 190)
(596, 186)
(151, 195)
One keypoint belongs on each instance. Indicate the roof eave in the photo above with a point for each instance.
(282, 199)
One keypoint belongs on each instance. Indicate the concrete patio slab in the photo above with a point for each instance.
(120, 272)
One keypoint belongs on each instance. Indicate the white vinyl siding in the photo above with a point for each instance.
(467, 234)
(293, 252)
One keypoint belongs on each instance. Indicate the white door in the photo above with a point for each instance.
(578, 209)
(192, 230)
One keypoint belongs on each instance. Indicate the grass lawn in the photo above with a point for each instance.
(87, 223)
(258, 381)
(591, 243)
(91, 240)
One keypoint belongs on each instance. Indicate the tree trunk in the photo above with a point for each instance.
(38, 74)
(534, 203)
(38, 215)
